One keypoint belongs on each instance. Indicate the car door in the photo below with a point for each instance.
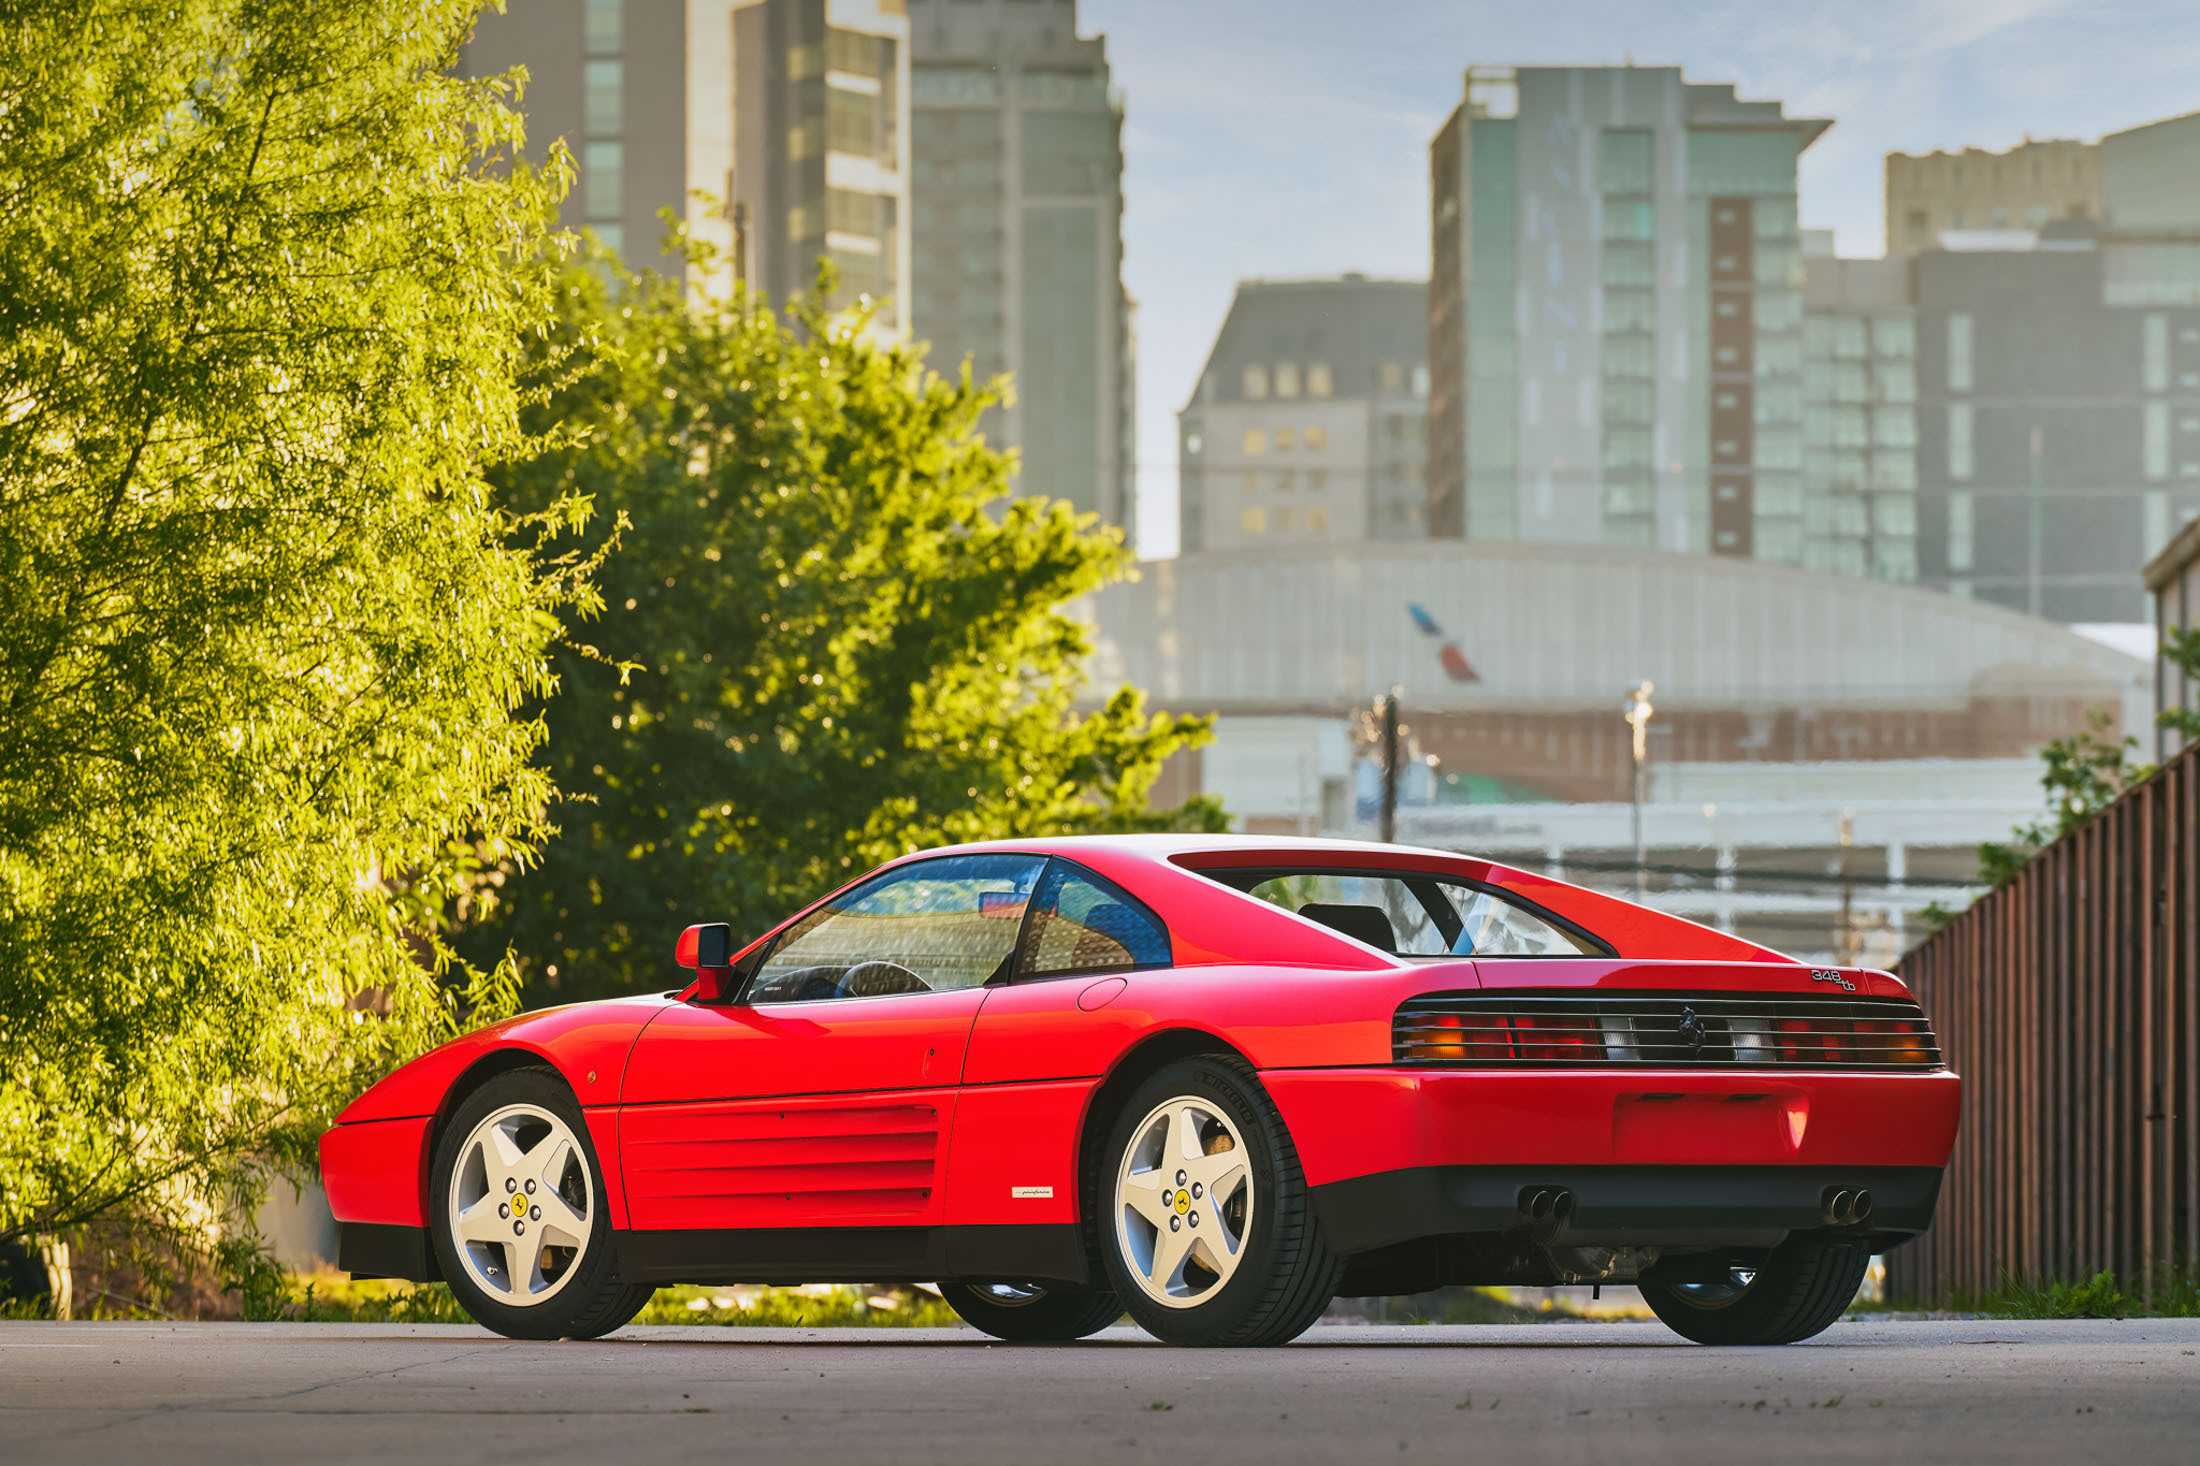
(1041, 1043)
(823, 1094)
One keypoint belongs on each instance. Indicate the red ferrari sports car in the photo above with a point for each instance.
(1213, 1081)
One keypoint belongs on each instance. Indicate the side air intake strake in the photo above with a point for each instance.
(1538, 1030)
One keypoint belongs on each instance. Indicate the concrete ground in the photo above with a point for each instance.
(1939, 1391)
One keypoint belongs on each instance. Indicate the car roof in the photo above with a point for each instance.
(1168, 845)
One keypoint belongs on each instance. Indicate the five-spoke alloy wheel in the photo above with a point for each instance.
(520, 1230)
(1206, 1228)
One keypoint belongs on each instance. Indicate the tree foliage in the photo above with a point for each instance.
(842, 636)
(265, 638)
(2091, 769)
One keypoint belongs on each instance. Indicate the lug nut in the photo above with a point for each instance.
(530, 1188)
(1175, 1224)
(503, 1210)
(1193, 1219)
(1197, 1193)
(534, 1214)
(510, 1184)
(1180, 1178)
(519, 1229)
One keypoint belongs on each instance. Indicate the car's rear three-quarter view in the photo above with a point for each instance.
(1212, 1082)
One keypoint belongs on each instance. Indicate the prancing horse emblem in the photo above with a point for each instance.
(1692, 1030)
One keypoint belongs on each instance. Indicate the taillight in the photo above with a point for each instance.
(1890, 1041)
(1556, 1037)
(1438, 1046)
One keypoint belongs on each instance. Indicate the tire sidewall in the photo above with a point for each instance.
(1225, 1311)
(555, 1318)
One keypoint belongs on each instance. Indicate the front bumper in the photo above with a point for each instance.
(1622, 1206)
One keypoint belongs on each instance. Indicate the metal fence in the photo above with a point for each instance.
(2069, 1000)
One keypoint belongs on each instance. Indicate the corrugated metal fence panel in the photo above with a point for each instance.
(2069, 1000)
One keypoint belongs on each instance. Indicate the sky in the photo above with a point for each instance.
(1280, 138)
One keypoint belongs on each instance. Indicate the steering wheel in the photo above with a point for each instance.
(878, 979)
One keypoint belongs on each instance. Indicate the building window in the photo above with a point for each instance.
(1316, 439)
(603, 168)
(1256, 382)
(1959, 531)
(1317, 482)
(1248, 482)
(1961, 459)
(2155, 439)
(1253, 520)
(1286, 521)
(2154, 352)
(1192, 444)
(1317, 518)
(854, 52)
(851, 122)
(1254, 442)
(849, 212)
(1287, 379)
(1283, 440)
(1318, 383)
(1959, 352)
(1390, 377)
(603, 100)
(600, 29)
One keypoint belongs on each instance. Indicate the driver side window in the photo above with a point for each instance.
(933, 926)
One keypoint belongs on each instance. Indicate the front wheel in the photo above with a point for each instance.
(1206, 1226)
(1031, 1313)
(1799, 1289)
(519, 1222)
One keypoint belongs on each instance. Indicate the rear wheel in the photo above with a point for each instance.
(1208, 1231)
(1032, 1313)
(1798, 1290)
(519, 1225)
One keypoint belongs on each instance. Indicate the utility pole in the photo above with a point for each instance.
(1387, 708)
(1638, 718)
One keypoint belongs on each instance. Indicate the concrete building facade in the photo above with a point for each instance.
(641, 92)
(777, 130)
(821, 162)
(1309, 420)
(1859, 415)
(1616, 314)
(2059, 393)
(1018, 235)
(2039, 180)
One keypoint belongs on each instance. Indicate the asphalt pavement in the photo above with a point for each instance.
(1940, 1391)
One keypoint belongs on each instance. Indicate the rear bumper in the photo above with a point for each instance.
(381, 1250)
(1348, 1123)
(1622, 1206)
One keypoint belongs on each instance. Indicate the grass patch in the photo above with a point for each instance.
(2170, 1292)
(330, 1297)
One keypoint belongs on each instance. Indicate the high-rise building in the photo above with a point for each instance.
(1859, 414)
(1616, 313)
(1018, 235)
(820, 133)
(2059, 393)
(1310, 420)
(641, 93)
(1975, 191)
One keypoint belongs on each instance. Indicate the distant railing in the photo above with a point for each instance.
(2069, 1000)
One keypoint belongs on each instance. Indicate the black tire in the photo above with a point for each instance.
(1029, 1313)
(1800, 1289)
(593, 1301)
(1285, 1276)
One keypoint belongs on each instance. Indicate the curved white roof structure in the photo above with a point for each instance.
(1563, 627)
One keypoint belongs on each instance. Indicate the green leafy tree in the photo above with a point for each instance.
(842, 637)
(2088, 771)
(266, 640)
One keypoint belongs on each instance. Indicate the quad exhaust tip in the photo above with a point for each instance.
(1546, 1204)
(1843, 1207)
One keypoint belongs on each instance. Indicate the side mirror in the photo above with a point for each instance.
(709, 950)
